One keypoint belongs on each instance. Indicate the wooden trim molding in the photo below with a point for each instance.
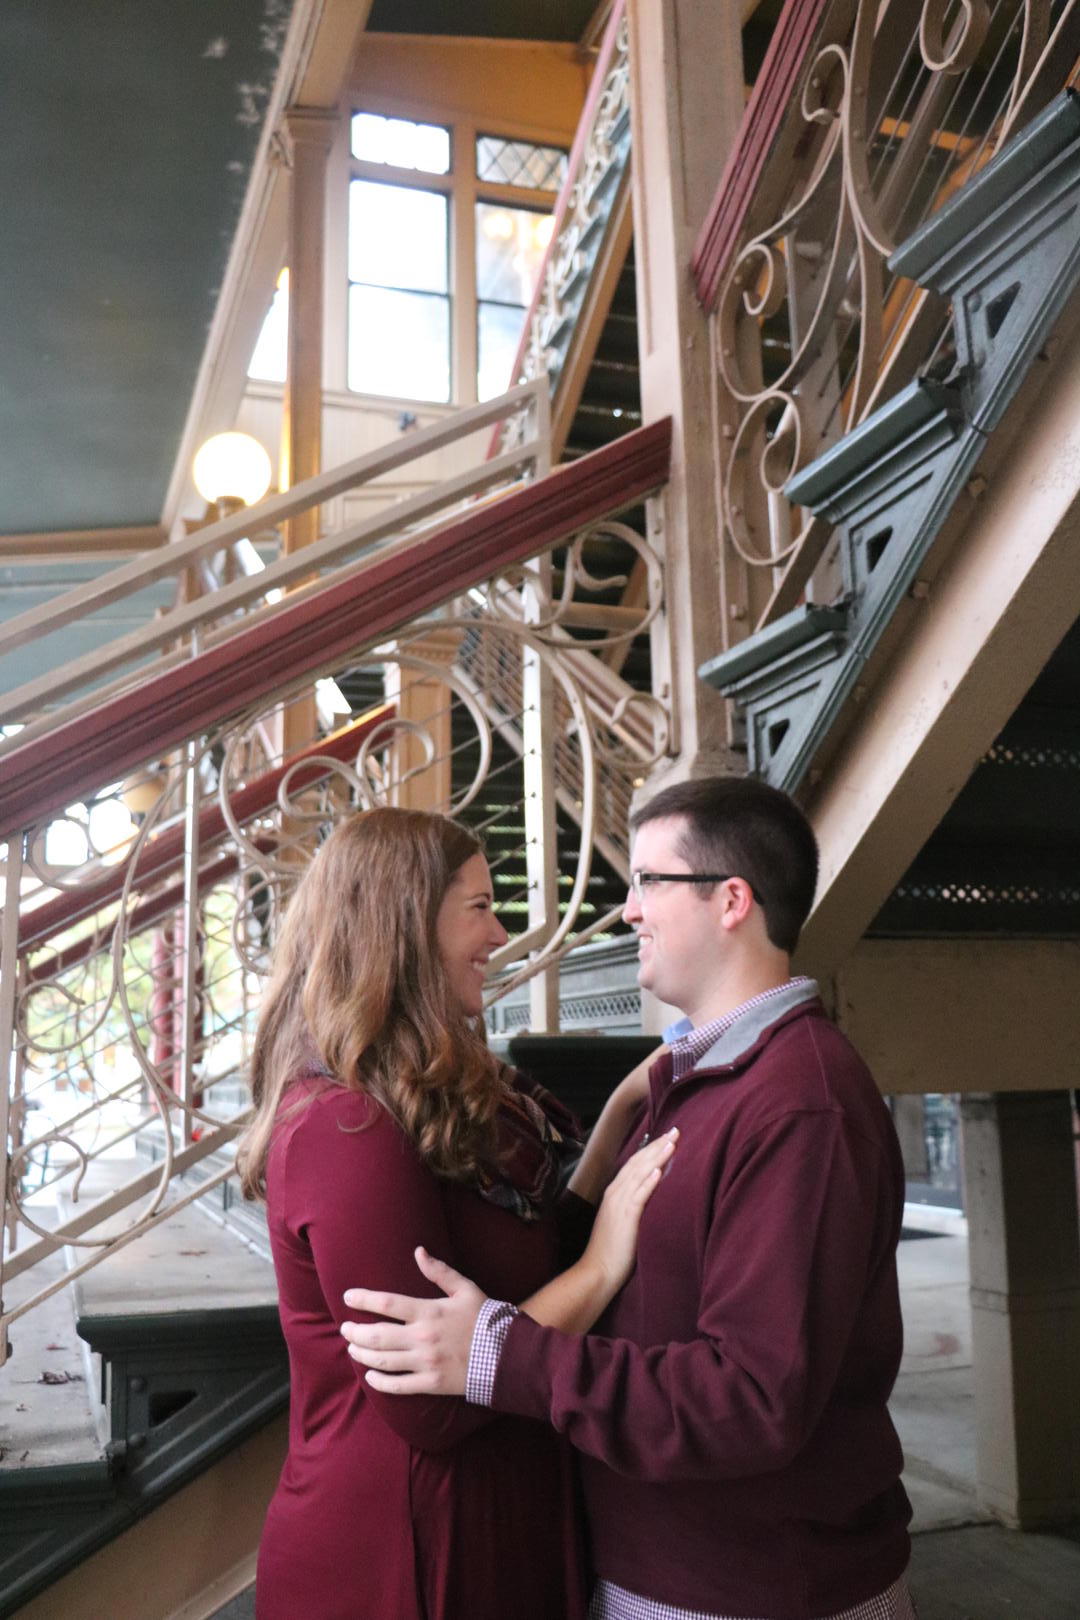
(365, 605)
(74, 545)
(789, 47)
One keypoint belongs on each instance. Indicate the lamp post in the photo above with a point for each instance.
(231, 470)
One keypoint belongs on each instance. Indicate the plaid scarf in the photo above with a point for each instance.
(538, 1142)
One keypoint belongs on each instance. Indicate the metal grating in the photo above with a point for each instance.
(985, 891)
(620, 1007)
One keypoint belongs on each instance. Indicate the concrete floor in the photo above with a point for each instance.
(963, 1566)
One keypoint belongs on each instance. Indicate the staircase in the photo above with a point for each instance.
(125, 1389)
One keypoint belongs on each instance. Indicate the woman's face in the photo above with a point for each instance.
(467, 931)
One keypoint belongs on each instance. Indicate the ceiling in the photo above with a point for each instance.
(128, 132)
(564, 20)
(129, 128)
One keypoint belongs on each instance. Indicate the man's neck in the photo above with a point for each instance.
(722, 1000)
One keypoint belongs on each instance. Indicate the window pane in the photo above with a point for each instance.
(519, 163)
(499, 332)
(397, 140)
(397, 237)
(399, 343)
(510, 245)
(269, 361)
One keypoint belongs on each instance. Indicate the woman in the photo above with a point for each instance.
(383, 1122)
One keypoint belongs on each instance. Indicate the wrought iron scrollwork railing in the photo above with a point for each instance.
(896, 108)
(140, 914)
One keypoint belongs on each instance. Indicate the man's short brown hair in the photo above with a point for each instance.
(742, 826)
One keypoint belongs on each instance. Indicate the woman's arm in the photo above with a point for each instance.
(358, 1199)
(574, 1299)
(594, 1169)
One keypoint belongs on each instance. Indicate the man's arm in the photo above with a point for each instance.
(777, 1308)
(425, 1348)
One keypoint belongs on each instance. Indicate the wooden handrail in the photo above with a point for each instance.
(168, 560)
(360, 607)
(770, 99)
(164, 851)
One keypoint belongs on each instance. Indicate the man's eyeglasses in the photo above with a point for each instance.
(640, 881)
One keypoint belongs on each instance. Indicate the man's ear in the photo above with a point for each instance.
(736, 902)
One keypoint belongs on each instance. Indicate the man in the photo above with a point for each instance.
(730, 1405)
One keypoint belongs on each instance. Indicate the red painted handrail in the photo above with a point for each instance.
(164, 851)
(142, 916)
(795, 32)
(359, 607)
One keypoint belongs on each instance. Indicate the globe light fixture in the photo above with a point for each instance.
(231, 470)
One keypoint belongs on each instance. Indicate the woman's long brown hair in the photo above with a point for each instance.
(357, 982)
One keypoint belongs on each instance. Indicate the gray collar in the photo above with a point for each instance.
(749, 1026)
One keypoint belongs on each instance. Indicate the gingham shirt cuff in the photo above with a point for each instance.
(489, 1336)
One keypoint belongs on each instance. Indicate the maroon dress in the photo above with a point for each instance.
(401, 1507)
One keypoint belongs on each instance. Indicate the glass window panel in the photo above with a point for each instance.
(270, 359)
(399, 343)
(510, 245)
(400, 141)
(398, 237)
(519, 163)
(499, 333)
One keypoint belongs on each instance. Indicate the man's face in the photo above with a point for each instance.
(679, 937)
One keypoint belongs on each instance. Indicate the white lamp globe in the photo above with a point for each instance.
(232, 467)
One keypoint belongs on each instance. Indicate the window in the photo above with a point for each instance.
(399, 291)
(510, 244)
(520, 163)
(404, 144)
(435, 305)
(432, 314)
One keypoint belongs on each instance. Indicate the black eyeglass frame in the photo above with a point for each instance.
(639, 878)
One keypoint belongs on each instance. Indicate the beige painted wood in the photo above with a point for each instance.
(686, 102)
(311, 135)
(1005, 596)
(508, 86)
(186, 1558)
(963, 1015)
(424, 702)
(97, 545)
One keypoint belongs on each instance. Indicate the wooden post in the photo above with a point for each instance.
(686, 101)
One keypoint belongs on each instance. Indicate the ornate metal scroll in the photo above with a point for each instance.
(897, 109)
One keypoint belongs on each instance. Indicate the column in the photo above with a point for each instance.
(686, 102)
(309, 133)
(1021, 1188)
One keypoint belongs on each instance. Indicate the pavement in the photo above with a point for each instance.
(964, 1565)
